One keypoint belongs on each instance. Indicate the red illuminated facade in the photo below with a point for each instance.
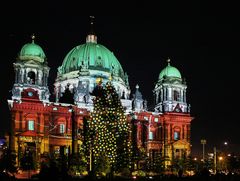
(42, 127)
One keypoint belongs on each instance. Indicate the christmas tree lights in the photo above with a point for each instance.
(109, 130)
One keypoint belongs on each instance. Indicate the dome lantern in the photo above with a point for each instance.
(91, 37)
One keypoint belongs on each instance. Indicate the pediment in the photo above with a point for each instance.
(32, 62)
(181, 144)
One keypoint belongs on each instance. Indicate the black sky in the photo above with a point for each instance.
(204, 49)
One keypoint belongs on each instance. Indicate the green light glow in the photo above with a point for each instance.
(170, 71)
(91, 55)
(32, 50)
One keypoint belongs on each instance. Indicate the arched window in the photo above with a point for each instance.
(176, 95)
(31, 125)
(176, 135)
(150, 135)
(31, 77)
(177, 153)
(159, 96)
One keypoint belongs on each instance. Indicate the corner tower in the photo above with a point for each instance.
(170, 91)
(31, 73)
(170, 102)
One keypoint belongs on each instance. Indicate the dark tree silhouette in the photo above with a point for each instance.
(8, 161)
(67, 96)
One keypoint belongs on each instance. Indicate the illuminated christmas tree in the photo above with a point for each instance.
(109, 131)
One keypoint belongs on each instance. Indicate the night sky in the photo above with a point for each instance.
(203, 50)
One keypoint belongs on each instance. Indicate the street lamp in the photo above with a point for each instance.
(225, 150)
(220, 158)
(203, 142)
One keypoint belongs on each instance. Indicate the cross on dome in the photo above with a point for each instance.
(33, 37)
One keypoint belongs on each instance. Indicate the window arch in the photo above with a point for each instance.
(31, 77)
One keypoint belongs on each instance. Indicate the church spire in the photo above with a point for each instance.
(168, 61)
(91, 37)
(33, 37)
(92, 25)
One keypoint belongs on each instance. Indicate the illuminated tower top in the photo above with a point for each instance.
(170, 91)
(31, 73)
(91, 37)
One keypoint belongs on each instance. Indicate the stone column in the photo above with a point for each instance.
(16, 75)
(37, 78)
(167, 94)
(181, 94)
(164, 141)
(43, 79)
(46, 132)
(41, 123)
(156, 96)
(169, 89)
(184, 95)
(22, 75)
(188, 133)
(25, 75)
(183, 132)
(161, 94)
(58, 92)
(164, 94)
(38, 123)
(40, 78)
(171, 132)
(46, 79)
(21, 121)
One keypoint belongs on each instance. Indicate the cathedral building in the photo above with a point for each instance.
(41, 126)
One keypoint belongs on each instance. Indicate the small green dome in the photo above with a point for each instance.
(170, 71)
(32, 51)
(92, 55)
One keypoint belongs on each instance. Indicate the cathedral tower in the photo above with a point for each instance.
(170, 91)
(170, 102)
(31, 73)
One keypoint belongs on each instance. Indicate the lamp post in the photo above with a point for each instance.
(225, 148)
(203, 142)
(215, 159)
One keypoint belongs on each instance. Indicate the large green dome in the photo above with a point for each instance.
(94, 56)
(170, 71)
(32, 51)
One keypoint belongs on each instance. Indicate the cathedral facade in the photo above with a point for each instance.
(41, 126)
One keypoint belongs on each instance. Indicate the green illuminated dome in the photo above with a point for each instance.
(92, 55)
(32, 51)
(170, 71)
